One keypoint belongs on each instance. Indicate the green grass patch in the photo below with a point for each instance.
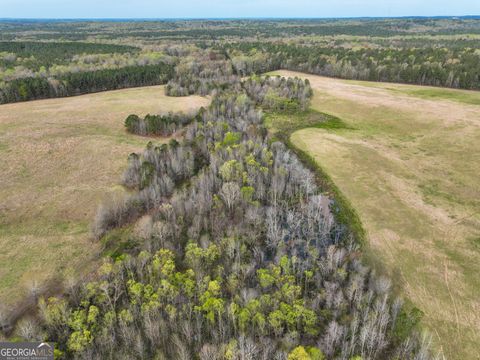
(333, 123)
(292, 121)
(466, 97)
(118, 242)
(3, 146)
(432, 190)
(463, 96)
(475, 242)
(43, 227)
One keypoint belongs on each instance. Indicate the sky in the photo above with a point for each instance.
(233, 8)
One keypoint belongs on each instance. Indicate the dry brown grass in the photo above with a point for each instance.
(59, 159)
(410, 166)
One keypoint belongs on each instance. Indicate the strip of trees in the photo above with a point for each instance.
(437, 66)
(32, 88)
(278, 93)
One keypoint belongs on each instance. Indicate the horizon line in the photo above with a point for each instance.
(239, 18)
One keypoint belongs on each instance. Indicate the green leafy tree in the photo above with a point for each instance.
(299, 353)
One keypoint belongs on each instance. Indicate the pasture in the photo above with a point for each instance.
(408, 161)
(60, 157)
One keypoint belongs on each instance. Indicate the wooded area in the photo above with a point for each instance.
(237, 255)
(439, 52)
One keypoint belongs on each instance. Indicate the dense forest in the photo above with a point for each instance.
(38, 54)
(235, 28)
(38, 70)
(31, 88)
(39, 59)
(225, 248)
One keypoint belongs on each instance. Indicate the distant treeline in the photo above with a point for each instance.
(200, 60)
(241, 28)
(33, 88)
(456, 68)
(38, 54)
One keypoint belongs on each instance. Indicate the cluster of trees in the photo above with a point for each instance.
(200, 73)
(236, 255)
(160, 125)
(278, 93)
(32, 88)
(457, 67)
(204, 71)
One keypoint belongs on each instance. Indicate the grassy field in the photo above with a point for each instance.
(407, 158)
(59, 159)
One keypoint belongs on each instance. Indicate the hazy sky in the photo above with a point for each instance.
(232, 8)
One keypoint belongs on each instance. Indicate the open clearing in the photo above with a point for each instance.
(59, 159)
(409, 162)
